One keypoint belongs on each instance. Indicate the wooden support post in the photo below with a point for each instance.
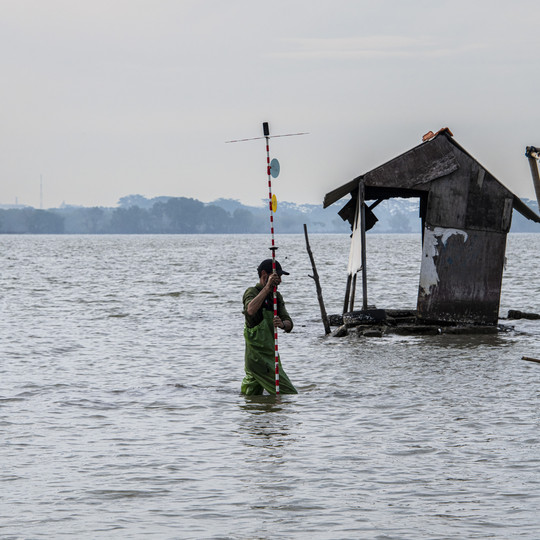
(347, 294)
(315, 277)
(353, 292)
(361, 198)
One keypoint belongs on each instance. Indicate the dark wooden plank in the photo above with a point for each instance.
(340, 192)
(529, 359)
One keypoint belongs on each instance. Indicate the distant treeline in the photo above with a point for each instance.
(168, 215)
(136, 214)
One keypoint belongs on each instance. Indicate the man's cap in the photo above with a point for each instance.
(266, 265)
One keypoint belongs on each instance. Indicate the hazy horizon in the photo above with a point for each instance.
(104, 99)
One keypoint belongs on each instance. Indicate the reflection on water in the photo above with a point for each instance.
(121, 415)
(263, 404)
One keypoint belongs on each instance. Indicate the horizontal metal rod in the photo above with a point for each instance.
(268, 137)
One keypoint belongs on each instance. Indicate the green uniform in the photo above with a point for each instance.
(260, 350)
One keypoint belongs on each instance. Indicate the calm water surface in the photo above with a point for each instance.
(121, 417)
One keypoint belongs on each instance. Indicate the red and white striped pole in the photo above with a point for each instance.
(272, 205)
(272, 169)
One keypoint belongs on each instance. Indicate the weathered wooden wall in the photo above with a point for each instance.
(460, 275)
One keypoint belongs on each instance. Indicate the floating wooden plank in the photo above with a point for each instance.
(529, 359)
(516, 314)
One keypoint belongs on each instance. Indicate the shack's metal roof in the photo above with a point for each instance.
(412, 172)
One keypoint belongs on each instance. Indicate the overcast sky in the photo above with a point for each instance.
(109, 98)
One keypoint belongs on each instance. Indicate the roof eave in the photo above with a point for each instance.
(340, 192)
(524, 210)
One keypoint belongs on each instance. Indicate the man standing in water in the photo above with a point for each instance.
(259, 333)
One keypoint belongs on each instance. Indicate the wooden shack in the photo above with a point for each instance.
(466, 214)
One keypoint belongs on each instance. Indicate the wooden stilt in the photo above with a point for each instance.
(361, 198)
(353, 292)
(315, 277)
(347, 294)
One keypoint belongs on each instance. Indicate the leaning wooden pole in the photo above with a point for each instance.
(315, 277)
(533, 154)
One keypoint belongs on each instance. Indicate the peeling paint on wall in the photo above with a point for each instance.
(434, 239)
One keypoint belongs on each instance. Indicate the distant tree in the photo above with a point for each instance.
(230, 205)
(133, 220)
(290, 222)
(399, 223)
(183, 214)
(44, 222)
(242, 221)
(160, 223)
(134, 200)
(14, 221)
(93, 218)
(214, 219)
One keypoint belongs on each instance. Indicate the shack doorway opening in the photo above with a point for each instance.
(360, 211)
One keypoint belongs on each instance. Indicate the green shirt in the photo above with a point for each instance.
(251, 293)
